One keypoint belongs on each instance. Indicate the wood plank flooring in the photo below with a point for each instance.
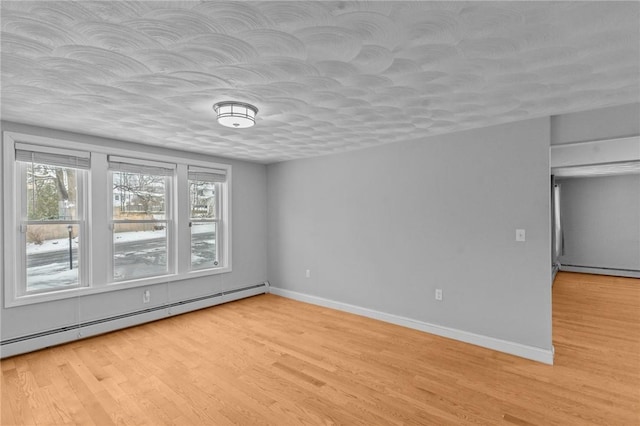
(270, 360)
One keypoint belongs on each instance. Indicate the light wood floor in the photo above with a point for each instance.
(269, 360)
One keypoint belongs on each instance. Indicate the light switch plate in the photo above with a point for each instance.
(520, 235)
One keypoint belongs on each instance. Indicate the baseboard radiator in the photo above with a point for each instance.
(600, 270)
(81, 330)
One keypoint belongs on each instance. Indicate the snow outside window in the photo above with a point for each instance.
(50, 211)
(141, 218)
(205, 186)
(83, 218)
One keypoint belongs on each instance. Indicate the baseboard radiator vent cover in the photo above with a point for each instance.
(253, 290)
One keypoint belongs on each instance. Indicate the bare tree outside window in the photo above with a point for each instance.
(52, 227)
(140, 224)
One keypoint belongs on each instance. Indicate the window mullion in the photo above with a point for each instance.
(98, 220)
(70, 191)
(21, 214)
(183, 216)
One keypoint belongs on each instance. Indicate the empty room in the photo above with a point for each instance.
(320, 212)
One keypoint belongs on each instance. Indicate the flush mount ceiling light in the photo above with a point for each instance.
(236, 115)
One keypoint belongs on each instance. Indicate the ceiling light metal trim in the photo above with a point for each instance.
(237, 115)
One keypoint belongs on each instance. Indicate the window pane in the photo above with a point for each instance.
(202, 198)
(203, 245)
(52, 192)
(52, 257)
(138, 196)
(140, 250)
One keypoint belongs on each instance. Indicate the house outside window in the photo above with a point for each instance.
(141, 218)
(88, 218)
(205, 187)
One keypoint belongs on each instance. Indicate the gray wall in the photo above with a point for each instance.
(582, 211)
(601, 221)
(381, 228)
(604, 123)
(249, 201)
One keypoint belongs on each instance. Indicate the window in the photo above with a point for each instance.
(50, 210)
(91, 218)
(204, 202)
(141, 218)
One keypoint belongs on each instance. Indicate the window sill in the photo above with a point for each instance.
(30, 299)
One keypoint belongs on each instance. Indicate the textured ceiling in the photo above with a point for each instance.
(325, 76)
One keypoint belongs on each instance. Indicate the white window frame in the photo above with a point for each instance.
(80, 222)
(18, 235)
(223, 231)
(218, 220)
(169, 194)
(98, 219)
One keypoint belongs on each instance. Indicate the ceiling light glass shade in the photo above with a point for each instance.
(236, 115)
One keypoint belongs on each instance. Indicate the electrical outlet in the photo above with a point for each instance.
(438, 294)
(146, 296)
(308, 273)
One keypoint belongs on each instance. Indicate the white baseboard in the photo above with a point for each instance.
(31, 345)
(512, 348)
(601, 271)
(57, 338)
